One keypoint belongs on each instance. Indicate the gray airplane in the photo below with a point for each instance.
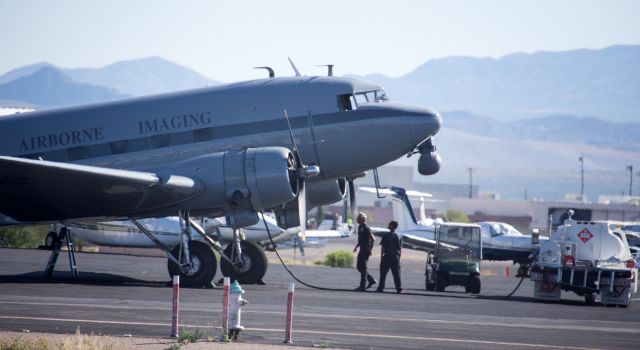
(232, 150)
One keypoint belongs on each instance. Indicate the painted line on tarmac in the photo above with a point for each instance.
(403, 337)
(556, 326)
(469, 323)
(381, 336)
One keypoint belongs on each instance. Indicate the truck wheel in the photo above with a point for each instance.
(589, 298)
(254, 264)
(441, 281)
(204, 265)
(474, 284)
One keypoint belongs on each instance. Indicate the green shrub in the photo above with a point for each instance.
(339, 258)
(455, 215)
(23, 236)
(187, 336)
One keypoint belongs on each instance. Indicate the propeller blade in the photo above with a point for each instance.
(302, 209)
(353, 204)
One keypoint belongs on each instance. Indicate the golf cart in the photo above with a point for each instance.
(456, 258)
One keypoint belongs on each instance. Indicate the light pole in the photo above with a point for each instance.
(470, 170)
(581, 160)
(630, 168)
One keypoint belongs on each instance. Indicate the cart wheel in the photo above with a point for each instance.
(429, 285)
(441, 281)
(589, 298)
(474, 284)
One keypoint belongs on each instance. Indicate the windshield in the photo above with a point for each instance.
(371, 96)
(500, 228)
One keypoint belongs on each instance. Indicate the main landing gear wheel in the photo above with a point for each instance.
(50, 240)
(253, 266)
(204, 265)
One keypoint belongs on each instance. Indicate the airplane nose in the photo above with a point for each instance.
(427, 125)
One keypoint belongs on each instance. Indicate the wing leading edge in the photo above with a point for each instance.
(36, 190)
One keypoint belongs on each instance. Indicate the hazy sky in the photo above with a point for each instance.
(224, 39)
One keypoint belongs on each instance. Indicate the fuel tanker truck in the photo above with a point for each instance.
(588, 258)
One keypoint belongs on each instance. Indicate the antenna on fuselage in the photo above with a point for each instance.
(269, 69)
(294, 67)
(329, 69)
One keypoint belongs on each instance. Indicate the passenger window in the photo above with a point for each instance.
(118, 147)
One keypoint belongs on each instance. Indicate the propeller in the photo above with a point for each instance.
(304, 171)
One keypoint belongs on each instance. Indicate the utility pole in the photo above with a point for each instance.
(470, 170)
(630, 168)
(581, 160)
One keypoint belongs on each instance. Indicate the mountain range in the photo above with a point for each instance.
(139, 77)
(50, 87)
(601, 83)
(555, 128)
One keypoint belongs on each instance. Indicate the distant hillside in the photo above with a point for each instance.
(49, 87)
(545, 169)
(599, 83)
(144, 76)
(556, 128)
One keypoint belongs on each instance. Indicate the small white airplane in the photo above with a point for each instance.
(500, 241)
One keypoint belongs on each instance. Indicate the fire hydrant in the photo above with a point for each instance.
(235, 304)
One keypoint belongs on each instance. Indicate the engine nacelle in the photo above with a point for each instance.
(325, 192)
(241, 182)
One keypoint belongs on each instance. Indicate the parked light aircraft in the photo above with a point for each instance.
(500, 241)
(232, 150)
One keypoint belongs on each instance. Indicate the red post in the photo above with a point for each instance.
(289, 320)
(506, 271)
(176, 306)
(225, 306)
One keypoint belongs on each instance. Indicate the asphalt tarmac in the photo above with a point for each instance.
(123, 294)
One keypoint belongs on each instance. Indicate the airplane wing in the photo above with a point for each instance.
(415, 242)
(326, 234)
(386, 191)
(37, 190)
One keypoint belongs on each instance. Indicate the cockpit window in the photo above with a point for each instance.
(349, 102)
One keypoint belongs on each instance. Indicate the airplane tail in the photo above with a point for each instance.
(402, 214)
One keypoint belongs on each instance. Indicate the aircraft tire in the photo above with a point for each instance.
(441, 281)
(205, 265)
(50, 240)
(255, 260)
(474, 284)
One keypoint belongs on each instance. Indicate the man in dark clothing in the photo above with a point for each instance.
(390, 257)
(365, 242)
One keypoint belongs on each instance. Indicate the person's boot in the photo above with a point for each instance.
(372, 281)
(360, 289)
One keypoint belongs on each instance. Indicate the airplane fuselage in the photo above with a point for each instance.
(150, 133)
